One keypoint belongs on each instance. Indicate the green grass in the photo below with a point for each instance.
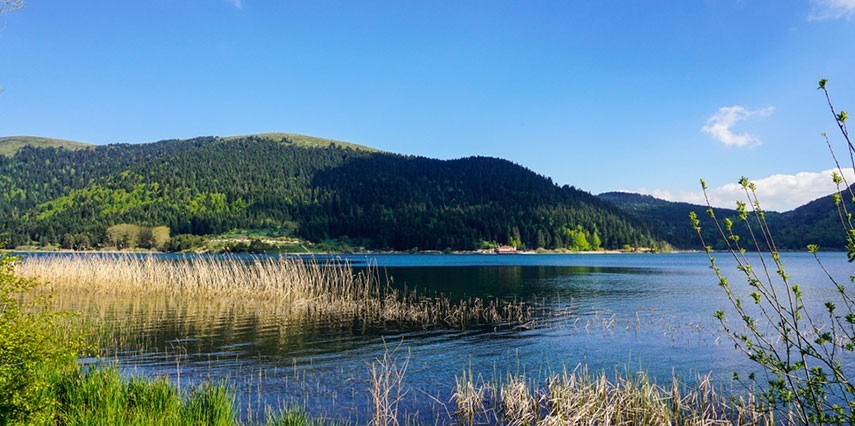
(103, 396)
(257, 232)
(304, 141)
(12, 144)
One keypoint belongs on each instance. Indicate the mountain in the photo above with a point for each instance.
(12, 144)
(312, 188)
(816, 222)
(669, 219)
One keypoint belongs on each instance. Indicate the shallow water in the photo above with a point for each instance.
(619, 313)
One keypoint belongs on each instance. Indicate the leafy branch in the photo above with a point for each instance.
(802, 350)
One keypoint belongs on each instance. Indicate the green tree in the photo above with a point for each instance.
(159, 237)
(542, 238)
(124, 236)
(580, 239)
(184, 242)
(84, 242)
(596, 243)
(69, 241)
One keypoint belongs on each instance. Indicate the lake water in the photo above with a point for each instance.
(620, 313)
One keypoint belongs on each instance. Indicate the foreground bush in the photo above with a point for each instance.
(35, 343)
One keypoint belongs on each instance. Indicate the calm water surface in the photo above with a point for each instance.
(622, 312)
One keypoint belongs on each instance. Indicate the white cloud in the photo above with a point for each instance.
(720, 125)
(831, 9)
(776, 193)
(236, 3)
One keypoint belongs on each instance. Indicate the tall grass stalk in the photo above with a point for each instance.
(387, 386)
(469, 398)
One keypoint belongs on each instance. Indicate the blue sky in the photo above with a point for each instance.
(647, 96)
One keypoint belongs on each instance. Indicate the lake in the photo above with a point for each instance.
(618, 313)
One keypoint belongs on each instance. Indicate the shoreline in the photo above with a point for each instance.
(361, 252)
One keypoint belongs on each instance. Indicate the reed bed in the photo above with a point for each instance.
(580, 398)
(289, 287)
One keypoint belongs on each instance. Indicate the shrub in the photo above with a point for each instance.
(804, 352)
(34, 343)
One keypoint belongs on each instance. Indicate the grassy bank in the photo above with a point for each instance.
(104, 396)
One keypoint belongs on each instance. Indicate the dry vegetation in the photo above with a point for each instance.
(284, 287)
(579, 398)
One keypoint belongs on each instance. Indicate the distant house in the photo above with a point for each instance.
(506, 250)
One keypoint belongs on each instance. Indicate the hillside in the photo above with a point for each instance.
(311, 188)
(814, 223)
(303, 141)
(670, 219)
(12, 144)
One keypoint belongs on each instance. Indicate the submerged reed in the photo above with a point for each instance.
(289, 287)
(580, 398)
(470, 399)
(387, 387)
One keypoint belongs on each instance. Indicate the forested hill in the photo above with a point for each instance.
(814, 223)
(310, 189)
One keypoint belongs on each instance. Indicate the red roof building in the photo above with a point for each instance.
(506, 250)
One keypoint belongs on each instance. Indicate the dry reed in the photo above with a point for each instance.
(295, 288)
(579, 398)
(518, 404)
(470, 399)
(387, 387)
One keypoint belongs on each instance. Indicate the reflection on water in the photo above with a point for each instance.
(622, 312)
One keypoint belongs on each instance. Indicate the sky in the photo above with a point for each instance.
(640, 96)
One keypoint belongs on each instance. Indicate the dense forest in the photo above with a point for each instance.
(319, 190)
(814, 223)
(316, 192)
